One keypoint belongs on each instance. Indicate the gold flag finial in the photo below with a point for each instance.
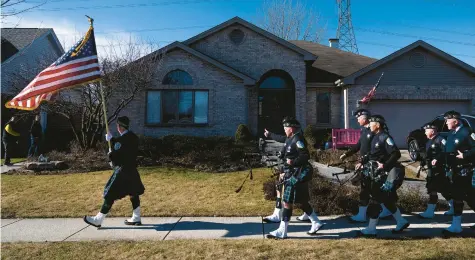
(86, 37)
(91, 21)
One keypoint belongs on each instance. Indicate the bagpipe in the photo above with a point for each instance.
(248, 161)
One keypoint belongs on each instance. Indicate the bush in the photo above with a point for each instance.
(213, 154)
(243, 134)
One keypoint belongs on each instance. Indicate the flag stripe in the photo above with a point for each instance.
(68, 63)
(62, 83)
(71, 65)
(67, 75)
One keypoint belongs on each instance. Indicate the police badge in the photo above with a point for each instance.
(300, 145)
(473, 136)
(390, 141)
(443, 141)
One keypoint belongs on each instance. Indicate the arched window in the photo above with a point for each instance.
(177, 77)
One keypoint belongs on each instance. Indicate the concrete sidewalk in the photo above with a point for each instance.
(167, 228)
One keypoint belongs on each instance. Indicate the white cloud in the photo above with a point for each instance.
(114, 44)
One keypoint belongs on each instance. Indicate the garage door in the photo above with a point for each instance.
(405, 116)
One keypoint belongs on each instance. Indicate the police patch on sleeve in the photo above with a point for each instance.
(473, 136)
(390, 141)
(300, 145)
(443, 141)
(117, 146)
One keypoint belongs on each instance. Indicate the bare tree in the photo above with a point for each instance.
(125, 75)
(14, 7)
(292, 20)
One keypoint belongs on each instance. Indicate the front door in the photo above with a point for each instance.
(274, 105)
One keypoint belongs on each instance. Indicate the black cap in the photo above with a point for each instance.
(361, 112)
(290, 122)
(429, 126)
(377, 118)
(123, 121)
(452, 115)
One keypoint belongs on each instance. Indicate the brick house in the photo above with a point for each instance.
(237, 73)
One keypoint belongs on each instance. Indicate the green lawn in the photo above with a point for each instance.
(168, 192)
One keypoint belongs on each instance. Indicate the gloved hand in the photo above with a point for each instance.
(387, 186)
(343, 156)
(108, 137)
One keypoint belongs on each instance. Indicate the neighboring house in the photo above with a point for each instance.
(237, 73)
(419, 83)
(25, 53)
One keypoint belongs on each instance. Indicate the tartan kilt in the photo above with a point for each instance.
(125, 181)
(296, 194)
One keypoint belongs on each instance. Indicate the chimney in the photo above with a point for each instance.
(334, 43)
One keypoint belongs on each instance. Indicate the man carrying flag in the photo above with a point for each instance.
(76, 67)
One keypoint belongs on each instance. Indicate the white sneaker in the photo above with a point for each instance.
(274, 218)
(371, 230)
(429, 213)
(281, 232)
(402, 223)
(450, 212)
(316, 224)
(361, 216)
(135, 219)
(385, 213)
(456, 227)
(304, 217)
(96, 220)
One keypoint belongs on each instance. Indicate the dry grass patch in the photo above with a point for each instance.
(246, 249)
(169, 192)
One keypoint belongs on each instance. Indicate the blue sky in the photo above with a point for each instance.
(380, 26)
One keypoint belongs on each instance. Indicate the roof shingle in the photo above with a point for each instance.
(333, 60)
(22, 37)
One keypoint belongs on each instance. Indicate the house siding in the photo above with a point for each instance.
(227, 98)
(255, 56)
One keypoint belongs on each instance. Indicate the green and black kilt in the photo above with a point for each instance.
(438, 182)
(125, 181)
(298, 193)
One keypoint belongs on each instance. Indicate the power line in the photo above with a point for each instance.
(133, 5)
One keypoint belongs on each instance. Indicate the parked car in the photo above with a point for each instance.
(416, 140)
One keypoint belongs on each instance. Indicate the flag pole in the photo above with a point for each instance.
(105, 112)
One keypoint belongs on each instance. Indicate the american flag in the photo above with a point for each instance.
(77, 66)
(371, 93)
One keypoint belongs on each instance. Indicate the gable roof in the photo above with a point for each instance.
(420, 43)
(178, 45)
(334, 60)
(22, 37)
(8, 49)
(236, 20)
